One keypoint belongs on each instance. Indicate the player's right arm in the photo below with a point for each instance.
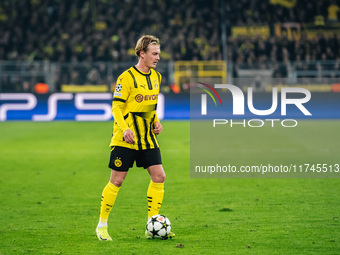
(117, 113)
(120, 96)
(129, 136)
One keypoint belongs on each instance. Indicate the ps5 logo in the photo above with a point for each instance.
(62, 106)
(29, 102)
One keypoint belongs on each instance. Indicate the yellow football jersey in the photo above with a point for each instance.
(134, 107)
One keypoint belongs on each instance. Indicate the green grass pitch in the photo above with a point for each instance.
(52, 175)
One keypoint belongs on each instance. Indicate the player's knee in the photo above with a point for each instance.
(159, 178)
(118, 181)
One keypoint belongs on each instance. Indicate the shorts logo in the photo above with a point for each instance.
(139, 98)
(119, 87)
(118, 162)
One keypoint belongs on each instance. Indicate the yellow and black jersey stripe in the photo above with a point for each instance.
(134, 107)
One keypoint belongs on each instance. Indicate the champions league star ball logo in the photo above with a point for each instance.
(119, 87)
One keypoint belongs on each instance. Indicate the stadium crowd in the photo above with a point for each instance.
(102, 30)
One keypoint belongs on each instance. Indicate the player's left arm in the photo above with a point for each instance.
(157, 126)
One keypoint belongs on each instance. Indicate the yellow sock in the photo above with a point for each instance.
(108, 199)
(155, 198)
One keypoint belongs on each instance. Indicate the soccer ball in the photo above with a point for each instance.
(158, 226)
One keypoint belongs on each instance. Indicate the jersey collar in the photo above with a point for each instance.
(145, 74)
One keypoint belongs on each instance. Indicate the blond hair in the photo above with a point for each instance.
(144, 42)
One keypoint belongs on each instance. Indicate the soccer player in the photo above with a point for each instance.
(134, 131)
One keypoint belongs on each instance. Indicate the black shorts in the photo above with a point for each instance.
(121, 158)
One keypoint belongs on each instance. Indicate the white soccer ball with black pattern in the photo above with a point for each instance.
(158, 226)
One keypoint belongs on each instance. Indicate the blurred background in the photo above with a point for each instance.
(82, 46)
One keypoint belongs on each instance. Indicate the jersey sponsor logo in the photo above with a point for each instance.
(139, 98)
(143, 86)
(118, 162)
(116, 94)
(150, 97)
(119, 87)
